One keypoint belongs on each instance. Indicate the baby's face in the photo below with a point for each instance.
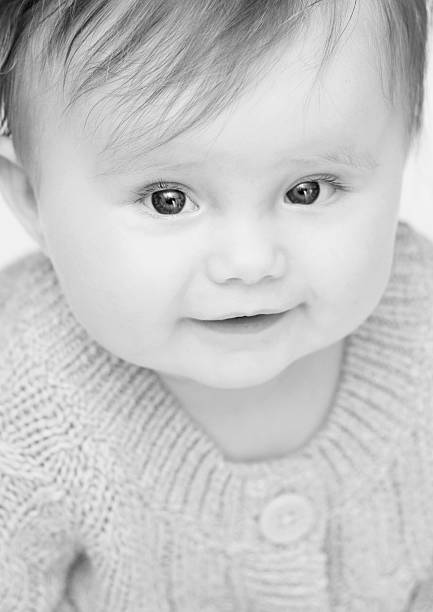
(237, 239)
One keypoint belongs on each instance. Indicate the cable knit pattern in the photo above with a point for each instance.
(112, 499)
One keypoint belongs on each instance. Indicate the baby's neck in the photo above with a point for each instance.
(269, 420)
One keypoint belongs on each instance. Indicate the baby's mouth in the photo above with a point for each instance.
(243, 324)
(243, 318)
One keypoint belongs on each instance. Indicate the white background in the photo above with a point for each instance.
(416, 204)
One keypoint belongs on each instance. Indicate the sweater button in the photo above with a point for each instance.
(287, 518)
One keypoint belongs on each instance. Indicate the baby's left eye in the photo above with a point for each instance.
(168, 201)
(163, 199)
(307, 192)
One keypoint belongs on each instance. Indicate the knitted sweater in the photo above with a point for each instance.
(113, 500)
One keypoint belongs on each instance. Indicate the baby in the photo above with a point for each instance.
(216, 373)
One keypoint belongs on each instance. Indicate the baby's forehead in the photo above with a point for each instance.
(287, 85)
(143, 82)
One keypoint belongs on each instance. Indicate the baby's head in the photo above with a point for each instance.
(185, 160)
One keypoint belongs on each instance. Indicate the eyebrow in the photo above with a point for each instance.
(359, 160)
(345, 157)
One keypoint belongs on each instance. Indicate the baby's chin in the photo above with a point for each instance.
(233, 374)
(230, 381)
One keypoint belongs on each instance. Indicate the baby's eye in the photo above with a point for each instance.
(164, 201)
(308, 192)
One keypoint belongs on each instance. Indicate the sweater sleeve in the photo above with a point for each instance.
(35, 548)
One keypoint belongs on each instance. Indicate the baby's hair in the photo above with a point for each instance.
(195, 54)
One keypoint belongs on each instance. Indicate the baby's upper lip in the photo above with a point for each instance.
(250, 313)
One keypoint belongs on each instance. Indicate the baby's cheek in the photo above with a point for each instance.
(344, 295)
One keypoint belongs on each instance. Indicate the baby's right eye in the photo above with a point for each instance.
(163, 199)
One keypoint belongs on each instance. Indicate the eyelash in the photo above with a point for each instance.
(161, 185)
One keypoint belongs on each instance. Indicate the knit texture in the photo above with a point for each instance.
(112, 499)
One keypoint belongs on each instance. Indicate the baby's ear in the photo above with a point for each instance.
(17, 191)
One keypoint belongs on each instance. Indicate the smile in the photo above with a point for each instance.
(242, 325)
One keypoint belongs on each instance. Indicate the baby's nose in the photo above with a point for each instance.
(248, 251)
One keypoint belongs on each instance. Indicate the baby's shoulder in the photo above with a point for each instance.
(26, 294)
(413, 241)
(24, 284)
(420, 254)
(425, 246)
(416, 254)
(33, 397)
(37, 327)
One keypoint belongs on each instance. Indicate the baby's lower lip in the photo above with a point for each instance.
(242, 325)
